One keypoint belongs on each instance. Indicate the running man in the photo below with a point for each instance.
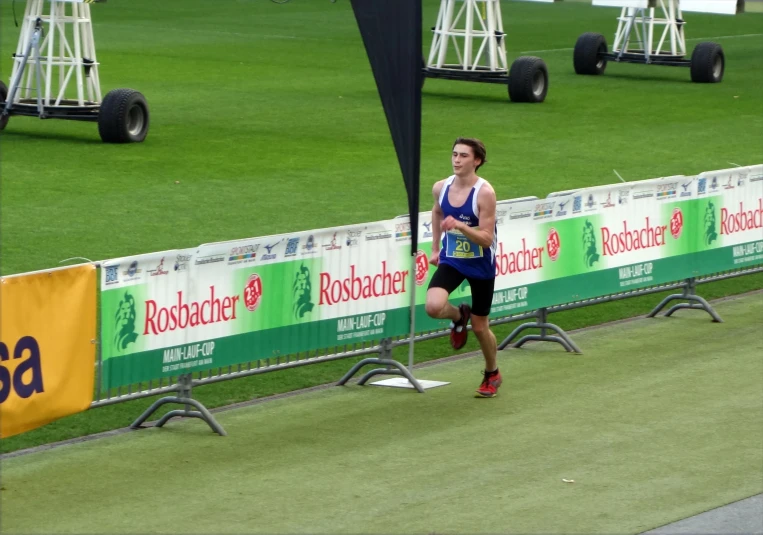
(464, 218)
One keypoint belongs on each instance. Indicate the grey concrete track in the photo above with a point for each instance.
(742, 517)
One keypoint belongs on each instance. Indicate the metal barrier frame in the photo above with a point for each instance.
(382, 351)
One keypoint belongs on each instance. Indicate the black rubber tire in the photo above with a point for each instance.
(123, 117)
(586, 57)
(707, 63)
(528, 80)
(3, 97)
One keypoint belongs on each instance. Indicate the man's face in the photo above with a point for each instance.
(300, 284)
(125, 314)
(587, 237)
(709, 217)
(464, 163)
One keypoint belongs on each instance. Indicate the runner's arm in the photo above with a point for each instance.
(437, 217)
(485, 233)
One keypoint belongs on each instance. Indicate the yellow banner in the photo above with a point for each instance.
(47, 346)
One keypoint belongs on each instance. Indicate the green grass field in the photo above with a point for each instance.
(659, 420)
(268, 117)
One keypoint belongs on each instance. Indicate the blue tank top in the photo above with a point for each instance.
(458, 251)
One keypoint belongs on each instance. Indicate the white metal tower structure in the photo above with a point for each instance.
(480, 21)
(640, 22)
(55, 74)
(469, 44)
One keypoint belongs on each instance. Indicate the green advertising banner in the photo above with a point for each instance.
(729, 220)
(229, 303)
(584, 244)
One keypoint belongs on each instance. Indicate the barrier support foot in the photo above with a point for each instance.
(689, 294)
(183, 398)
(541, 323)
(391, 367)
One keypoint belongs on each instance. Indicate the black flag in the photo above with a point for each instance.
(391, 31)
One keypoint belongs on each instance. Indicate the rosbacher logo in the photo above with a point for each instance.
(632, 239)
(301, 292)
(356, 287)
(523, 259)
(182, 314)
(124, 323)
(742, 219)
(709, 223)
(590, 252)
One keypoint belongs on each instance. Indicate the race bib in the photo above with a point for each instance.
(459, 246)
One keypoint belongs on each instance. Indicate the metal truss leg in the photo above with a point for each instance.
(627, 33)
(391, 367)
(184, 398)
(541, 323)
(33, 43)
(689, 294)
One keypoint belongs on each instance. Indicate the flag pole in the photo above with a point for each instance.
(413, 311)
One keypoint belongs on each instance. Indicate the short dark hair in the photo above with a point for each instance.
(478, 148)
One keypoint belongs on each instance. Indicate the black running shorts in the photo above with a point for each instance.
(449, 278)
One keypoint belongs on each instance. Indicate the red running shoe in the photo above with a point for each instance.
(489, 386)
(458, 331)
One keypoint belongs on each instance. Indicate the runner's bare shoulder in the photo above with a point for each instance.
(437, 188)
(486, 197)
